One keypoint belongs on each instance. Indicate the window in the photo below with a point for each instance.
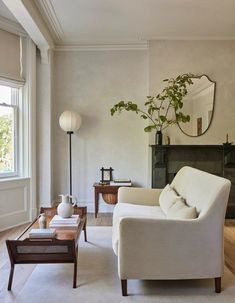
(9, 145)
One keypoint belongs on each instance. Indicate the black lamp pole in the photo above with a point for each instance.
(70, 122)
(70, 162)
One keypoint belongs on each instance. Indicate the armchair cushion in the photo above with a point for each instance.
(179, 210)
(168, 197)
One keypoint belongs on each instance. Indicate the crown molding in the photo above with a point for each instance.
(47, 11)
(29, 17)
(12, 27)
(190, 38)
(102, 47)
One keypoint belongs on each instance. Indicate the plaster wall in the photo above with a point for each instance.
(91, 83)
(44, 131)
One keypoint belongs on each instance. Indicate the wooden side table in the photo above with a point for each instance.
(104, 189)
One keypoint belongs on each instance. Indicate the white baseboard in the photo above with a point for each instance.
(15, 225)
(103, 207)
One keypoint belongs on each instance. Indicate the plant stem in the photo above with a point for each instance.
(150, 117)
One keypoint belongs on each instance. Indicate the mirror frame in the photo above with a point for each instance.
(199, 77)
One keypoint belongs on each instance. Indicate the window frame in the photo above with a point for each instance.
(15, 95)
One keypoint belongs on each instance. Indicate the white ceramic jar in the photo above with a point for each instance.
(65, 208)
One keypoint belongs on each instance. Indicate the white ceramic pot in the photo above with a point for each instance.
(65, 208)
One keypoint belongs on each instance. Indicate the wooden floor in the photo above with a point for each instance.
(24, 271)
(229, 244)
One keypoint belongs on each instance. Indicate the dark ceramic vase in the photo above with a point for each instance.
(158, 138)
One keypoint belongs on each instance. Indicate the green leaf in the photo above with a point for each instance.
(148, 129)
(134, 107)
(144, 117)
(163, 118)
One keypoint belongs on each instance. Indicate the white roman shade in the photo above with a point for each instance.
(10, 57)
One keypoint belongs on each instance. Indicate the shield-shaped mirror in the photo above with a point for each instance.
(199, 105)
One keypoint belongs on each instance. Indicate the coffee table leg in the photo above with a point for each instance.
(84, 229)
(11, 277)
(75, 274)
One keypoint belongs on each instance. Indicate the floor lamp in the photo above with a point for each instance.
(70, 122)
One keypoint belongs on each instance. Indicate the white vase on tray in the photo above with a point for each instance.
(65, 208)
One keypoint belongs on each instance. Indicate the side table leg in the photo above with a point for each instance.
(11, 276)
(96, 203)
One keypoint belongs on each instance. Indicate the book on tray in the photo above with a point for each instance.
(121, 182)
(42, 233)
(58, 221)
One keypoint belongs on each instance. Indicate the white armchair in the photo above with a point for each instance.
(150, 246)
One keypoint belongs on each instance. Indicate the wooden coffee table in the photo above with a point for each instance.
(61, 249)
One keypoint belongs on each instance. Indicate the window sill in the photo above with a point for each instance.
(9, 179)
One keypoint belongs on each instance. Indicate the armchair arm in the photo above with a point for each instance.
(169, 249)
(136, 195)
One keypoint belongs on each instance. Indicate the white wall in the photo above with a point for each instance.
(14, 202)
(213, 58)
(44, 130)
(91, 83)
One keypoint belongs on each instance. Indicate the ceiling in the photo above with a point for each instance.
(108, 21)
(81, 22)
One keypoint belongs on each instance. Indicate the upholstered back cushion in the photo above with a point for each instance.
(179, 210)
(167, 198)
(201, 189)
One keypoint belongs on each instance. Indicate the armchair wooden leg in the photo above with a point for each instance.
(218, 285)
(124, 287)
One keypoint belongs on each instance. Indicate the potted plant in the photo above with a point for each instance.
(158, 107)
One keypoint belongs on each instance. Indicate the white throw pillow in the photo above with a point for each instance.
(167, 198)
(180, 210)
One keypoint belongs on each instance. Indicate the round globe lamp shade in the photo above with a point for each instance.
(70, 121)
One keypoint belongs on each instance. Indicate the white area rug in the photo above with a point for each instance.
(98, 281)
